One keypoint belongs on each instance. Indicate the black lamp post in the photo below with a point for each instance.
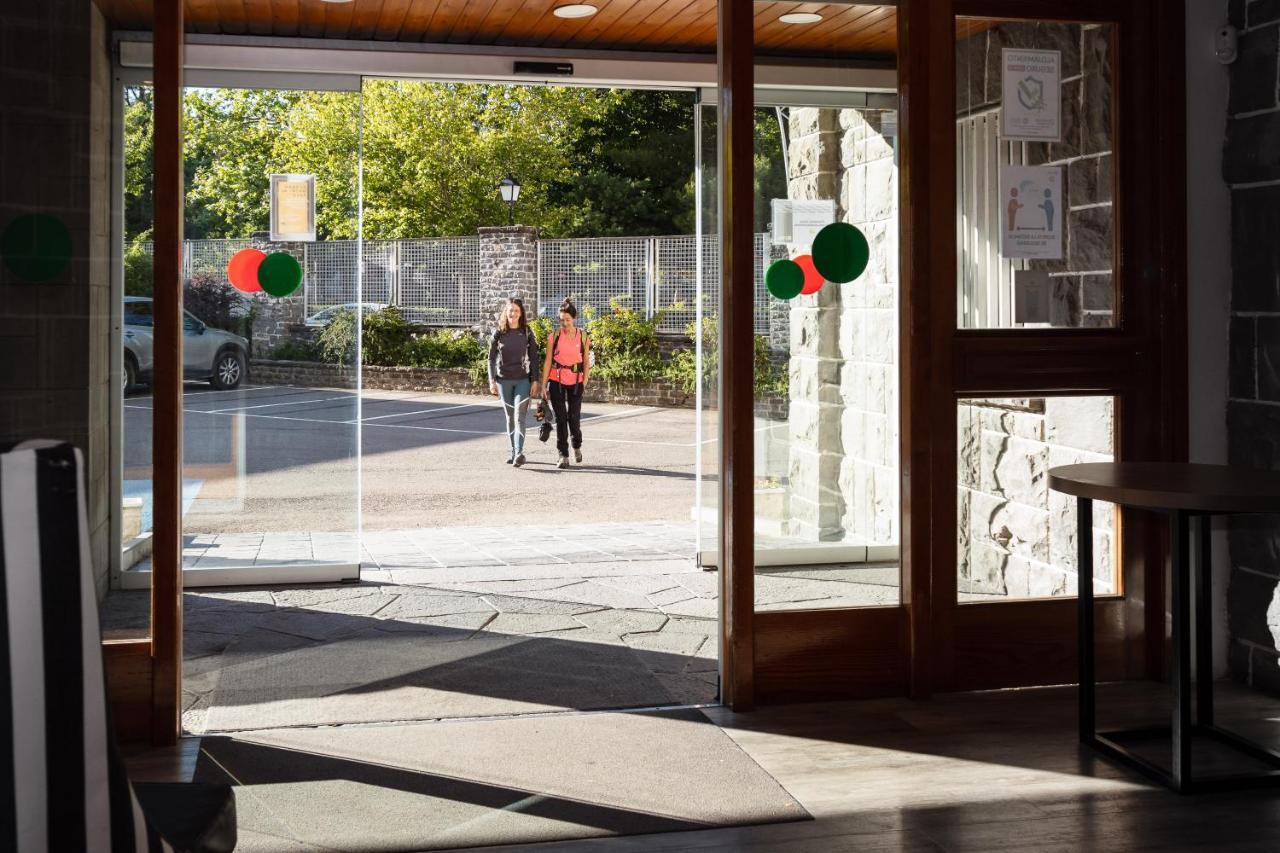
(509, 189)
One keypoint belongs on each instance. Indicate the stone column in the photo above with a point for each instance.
(815, 502)
(508, 268)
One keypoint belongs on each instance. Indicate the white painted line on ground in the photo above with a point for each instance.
(284, 403)
(427, 411)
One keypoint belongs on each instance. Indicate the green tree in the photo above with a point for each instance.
(139, 162)
(632, 168)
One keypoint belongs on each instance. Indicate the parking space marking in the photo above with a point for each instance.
(426, 411)
(269, 405)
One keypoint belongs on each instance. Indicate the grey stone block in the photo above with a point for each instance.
(1255, 252)
(1253, 74)
(1242, 359)
(1252, 152)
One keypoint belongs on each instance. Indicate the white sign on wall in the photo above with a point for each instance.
(1032, 90)
(293, 208)
(1031, 292)
(798, 222)
(1031, 212)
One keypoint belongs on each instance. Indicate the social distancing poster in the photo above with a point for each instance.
(1031, 212)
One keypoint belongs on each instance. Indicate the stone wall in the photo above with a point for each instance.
(1083, 294)
(1016, 537)
(55, 155)
(842, 473)
(1251, 167)
(508, 268)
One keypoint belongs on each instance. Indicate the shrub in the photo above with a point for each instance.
(337, 340)
(625, 344)
(297, 351)
(139, 275)
(385, 338)
(682, 369)
(213, 300)
(445, 348)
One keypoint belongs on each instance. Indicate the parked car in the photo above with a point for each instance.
(210, 355)
(321, 318)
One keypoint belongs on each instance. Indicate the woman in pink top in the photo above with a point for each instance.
(567, 364)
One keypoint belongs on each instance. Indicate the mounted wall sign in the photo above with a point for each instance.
(293, 208)
(799, 221)
(1032, 90)
(1031, 212)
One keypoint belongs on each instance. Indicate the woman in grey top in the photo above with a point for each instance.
(513, 372)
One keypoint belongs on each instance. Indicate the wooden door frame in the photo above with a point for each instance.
(930, 643)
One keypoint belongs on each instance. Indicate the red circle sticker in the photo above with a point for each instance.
(813, 279)
(242, 269)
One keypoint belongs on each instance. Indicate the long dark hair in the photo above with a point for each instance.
(504, 325)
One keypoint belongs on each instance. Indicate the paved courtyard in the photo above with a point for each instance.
(484, 591)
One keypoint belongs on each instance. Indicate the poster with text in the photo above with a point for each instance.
(1032, 106)
(1031, 212)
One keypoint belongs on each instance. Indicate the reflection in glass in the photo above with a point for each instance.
(1016, 538)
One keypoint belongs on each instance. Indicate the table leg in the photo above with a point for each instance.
(1180, 662)
(1204, 623)
(1084, 596)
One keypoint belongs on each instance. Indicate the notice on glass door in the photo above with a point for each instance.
(1031, 212)
(1032, 88)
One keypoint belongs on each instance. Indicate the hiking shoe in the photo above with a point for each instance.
(577, 455)
(510, 460)
(519, 460)
(563, 463)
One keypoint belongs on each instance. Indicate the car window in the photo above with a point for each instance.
(189, 322)
(137, 314)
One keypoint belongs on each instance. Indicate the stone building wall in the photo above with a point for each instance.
(1251, 167)
(1016, 537)
(55, 155)
(843, 424)
(1083, 294)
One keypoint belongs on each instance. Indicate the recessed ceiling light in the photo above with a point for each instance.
(801, 18)
(575, 10)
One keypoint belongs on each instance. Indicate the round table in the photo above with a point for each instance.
(1180, 491)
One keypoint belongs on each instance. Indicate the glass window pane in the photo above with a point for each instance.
(826, 469)
(1034, 213)
(1016, 538)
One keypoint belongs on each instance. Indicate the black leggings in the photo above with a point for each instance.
(566, 402)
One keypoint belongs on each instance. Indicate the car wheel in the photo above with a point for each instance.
(228, 370)
(130, 377)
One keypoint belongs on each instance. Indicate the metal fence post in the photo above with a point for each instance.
(651, 278)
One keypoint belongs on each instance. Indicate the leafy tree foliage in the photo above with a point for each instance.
(592, 162)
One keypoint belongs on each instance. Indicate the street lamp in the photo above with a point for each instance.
(509, 189)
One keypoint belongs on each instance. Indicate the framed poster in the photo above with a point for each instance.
(1032, 95)
(293, 208)
(1031, 212)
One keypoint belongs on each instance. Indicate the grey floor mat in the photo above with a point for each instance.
(389, 676)
(432, 786)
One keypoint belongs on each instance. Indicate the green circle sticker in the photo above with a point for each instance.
(36, 247)
(280, 274)
(784, 278)
(841, 252)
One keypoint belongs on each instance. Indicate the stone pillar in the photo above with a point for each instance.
(277, 320)
(55, 160)
(508, 268)
(815, 502)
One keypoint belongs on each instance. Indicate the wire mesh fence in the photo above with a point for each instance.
(437, 281)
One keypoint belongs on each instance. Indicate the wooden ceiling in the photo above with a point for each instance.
(847, 30)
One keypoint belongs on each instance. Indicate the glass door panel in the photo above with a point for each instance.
(1035, 225)
(271, 405)
(826, 373)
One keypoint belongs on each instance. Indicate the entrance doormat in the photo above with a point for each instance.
(470, 783)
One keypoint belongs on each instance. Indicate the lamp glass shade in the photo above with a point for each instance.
(509, 188)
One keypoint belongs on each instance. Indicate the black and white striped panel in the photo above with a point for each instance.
(61, 785)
